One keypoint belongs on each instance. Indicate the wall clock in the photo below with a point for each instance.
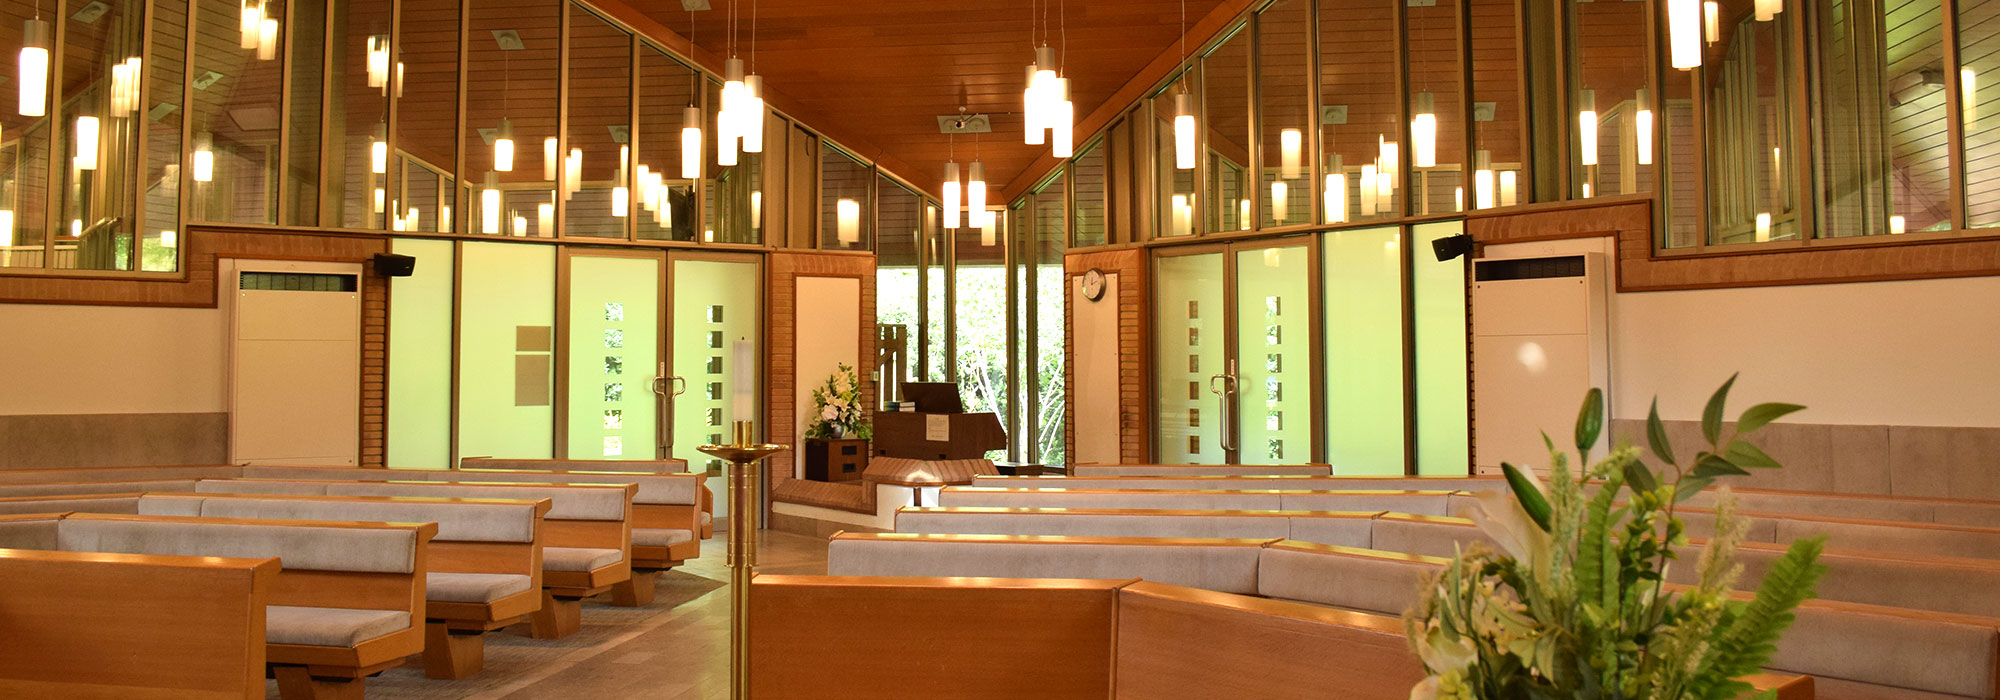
(1093, 284)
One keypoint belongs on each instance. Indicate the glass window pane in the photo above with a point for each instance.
(360, 113)
(733, 189)
(505, 359)
(1608, 69)
(600, 102)
(420, 308)
(511, 65)
(235, 113)
(99, 134)
(1174, 200)
(937, 317)
(358, 122)
(1437, 108)
(901, 214)
(1749, 119)
(1284, 89)
(1088, 226)
(1883, 147)
(844, 216)
(1682, 196)
(981, 318)
(1497, 109)
(666, 89)
(1359, 109)
(24, 168)
(427, 121)
(1444, 439)
(1979, 84)
(1364, 350)
(166, 71)
(1188, 346)
(1042, 346)
(1225, 73)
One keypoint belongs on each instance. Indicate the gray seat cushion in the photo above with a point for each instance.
(660, 537)
(577, 558)
(707, 518)
(329, 627)
(473, 588)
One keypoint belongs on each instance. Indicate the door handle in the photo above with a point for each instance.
(1224, 398)
(666, 387)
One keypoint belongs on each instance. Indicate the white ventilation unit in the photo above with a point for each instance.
(1540, 341)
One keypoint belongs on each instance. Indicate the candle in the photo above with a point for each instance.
(743, 378)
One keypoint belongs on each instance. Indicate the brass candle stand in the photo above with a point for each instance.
(742, 558)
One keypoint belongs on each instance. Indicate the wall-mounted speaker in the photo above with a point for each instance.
(1450, 247)
(393, 265)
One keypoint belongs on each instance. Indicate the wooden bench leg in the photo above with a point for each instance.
(452, 654)
(558, 618)
(296, 683)
(636, 591)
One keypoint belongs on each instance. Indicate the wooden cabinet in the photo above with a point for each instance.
(835, 460)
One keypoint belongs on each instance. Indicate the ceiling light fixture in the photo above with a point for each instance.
(1586, 126)
(1711, 22)
(1684, 32)
(1769, 9)
(975, 195)
(1642, 128)
(1482, 180)
(204, 157)
(34, 66)
(489, 204)
(1424, 132)
(1183, 108)
(952, 184)
(253, 17)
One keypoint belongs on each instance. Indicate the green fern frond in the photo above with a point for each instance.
(1752, 636)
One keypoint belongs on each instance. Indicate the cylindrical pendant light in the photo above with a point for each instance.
(1642, 128)
(1062, 121)
(847, 221)
(1684, 32)
(1182, 215)
(503, 147)
(1243, 214)
(1387, 172)
(756, 209)
(378, 61)
(545, 217)
(1183, 132)
(1482, 180)
(7, 229)
(1711, 21)
(34, 65)
(952, 186)
(1897, 224)
(86, 142)
(1768, 9)
(1507, 188)
(1586, 126)
(252, 24)
(1763, 230)
(572, 173)
(489, 204)
(753, 114)
(267, 39)
(1335, 194)
(1369, 190)
(989, 230)
(1291, 149)
(549, 159)
(1280, 201)
(728, 118)
(1031, 114)
(975, 194)
(378, 155)
(1424, 132)
(204, 158)
(691, 143)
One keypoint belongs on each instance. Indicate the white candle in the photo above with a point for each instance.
(743, 378)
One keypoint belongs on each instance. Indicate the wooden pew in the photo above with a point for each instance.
(196, 632)
(1253, 482)
(1402, 501)
(486, 560)
(1197, 469)
(586, 546)
(344, 610)
(84, 503)
(1351, 528)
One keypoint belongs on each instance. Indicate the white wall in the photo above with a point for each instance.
(70, 359)
(1094, 397)
(827, 334)
(1921, 352)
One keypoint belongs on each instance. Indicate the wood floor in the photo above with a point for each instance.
(677, 653)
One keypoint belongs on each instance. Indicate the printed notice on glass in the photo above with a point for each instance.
(937, 428)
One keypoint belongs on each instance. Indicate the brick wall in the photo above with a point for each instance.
(1134, 366)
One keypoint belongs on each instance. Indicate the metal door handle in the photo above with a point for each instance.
(667, 387)
(1227, 403)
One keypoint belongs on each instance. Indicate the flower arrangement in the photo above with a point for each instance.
(1575, 606)
(837, 407)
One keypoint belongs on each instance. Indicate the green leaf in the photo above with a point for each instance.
(1762, 414)
(1640, 477)
(1744, 454)
(1530, 497)
(1714, 465)
(1597, 564)
(1656, 435)
(1711, 416)
(1691, 485)
(1752, 636)
(1590, 420)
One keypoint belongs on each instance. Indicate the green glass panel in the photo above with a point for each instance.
(1188, 344)
(1274, 351)
(1364, 350)
(1444, 444)
(614, 340)
(506, 363)
(420, 359)
(715, 304)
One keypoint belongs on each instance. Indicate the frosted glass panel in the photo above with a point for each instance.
(1274, 350)
(614, 339)
(714, 304)
(506, 351)
(420, 359)
(1189, 349)
(1443, 438)
(1364, 351)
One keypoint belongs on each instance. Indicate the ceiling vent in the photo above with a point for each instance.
(964, 124)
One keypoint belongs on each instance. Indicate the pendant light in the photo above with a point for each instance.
(1586, 126)
(1642, 128)
(267, 39)
(1369, 190)
(1423, 132)
(489, 204)
(753, 114)
(756, 209)
(1711, 22)
(1482, 180)
(621, 195)
(951, 194)
(1243, 214)
(1684, 32)
(1763, 227)
(1280, 202)
(7, 229)
(204, 157)
(34, 66)
(691, 143)
(1335, 194)
(545, 216)
(727, 134)
(1897, 224)
(1062, 122)
(252, 25)
(1291, 151)
(86, 142)
(1386, 171)
(847, 218)
(1508, 188)
(503, 147)
(1183, 108)
(378, 62)
(975, 195)
(549, 160)
(1768, 9)
(378, 151)
(1182, 215)
(989, 230)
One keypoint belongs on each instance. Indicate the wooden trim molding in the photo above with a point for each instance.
(1640, 269)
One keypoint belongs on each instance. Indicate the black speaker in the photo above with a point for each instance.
(1450, 247)
(393, 265)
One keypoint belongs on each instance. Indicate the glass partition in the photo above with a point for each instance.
(420, 310)
(1883, 147)
(1176, 187)
(1226, 138)
(160, 172)
(1363, 269)
(1088, 225)
(666, 89)
(426, 76)
(1360, 112)
(1188, 346)
(613, 354)
(898, 300)
(100, 125)
(845, 222)
(714, 301)
(1444, 437)
(1044, 315)
(1500, 160)
(981, 290)
(1748, 129)
(1284, 114)
(600, 103)
(357, 148)
(1608, 84)
(512, 63)
(302, 187)
(239, 92)
(506, 351)
(1979, 108)
(1435, 58)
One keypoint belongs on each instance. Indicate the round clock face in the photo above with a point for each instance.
(1093, 284)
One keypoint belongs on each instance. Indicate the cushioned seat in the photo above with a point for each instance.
(329, 627)
(660, 537)
(707, 519)
(577, 558)
(473, 588)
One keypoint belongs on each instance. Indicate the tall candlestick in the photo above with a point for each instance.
(743, 375)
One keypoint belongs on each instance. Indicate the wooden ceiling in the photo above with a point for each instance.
(876, 75)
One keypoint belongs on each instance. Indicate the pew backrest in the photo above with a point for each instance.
(87, 503)
(649, 466)
(1257, 482)
(1332, 527)
(1425, 502)
(85, 488)
(1215, 564)
(1350, 578)
(149, 473)
(1197, 469)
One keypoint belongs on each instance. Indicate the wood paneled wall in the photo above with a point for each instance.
(198, 287)
(781, 338)
(1134, 368)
